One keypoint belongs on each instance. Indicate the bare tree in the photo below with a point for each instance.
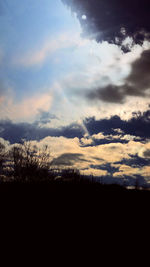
(30, 162)
(2, 157)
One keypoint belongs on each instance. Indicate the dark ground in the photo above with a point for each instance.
(72, 195)
(68, 219)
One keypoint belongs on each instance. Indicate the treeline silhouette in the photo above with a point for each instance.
(26, 163)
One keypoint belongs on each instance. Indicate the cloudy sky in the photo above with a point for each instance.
(75, 75)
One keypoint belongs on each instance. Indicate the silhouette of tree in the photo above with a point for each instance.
(71, 175)
(2, 157)
(30, 162)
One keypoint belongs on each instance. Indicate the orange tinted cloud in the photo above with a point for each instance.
(27, 109)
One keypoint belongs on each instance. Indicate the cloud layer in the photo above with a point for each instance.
(104, 131)
(113, 20)
(113, 148)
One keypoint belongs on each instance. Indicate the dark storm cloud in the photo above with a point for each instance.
(139, 77)
(138, 125)
(108, 141)
(15, 132)
(106, 167)
(113, 20)
(68, 159)
(135, 161)
(136, 84)
(105, 126)
(105, 141)
(146, 154)
(110, 93)
(45, 117)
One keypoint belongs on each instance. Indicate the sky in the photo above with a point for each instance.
(75, 75)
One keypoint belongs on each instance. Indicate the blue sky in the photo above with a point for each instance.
(25, 26)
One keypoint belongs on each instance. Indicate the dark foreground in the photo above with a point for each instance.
(71, 216)
(72, 194)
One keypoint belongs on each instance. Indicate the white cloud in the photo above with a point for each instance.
(97, 155)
